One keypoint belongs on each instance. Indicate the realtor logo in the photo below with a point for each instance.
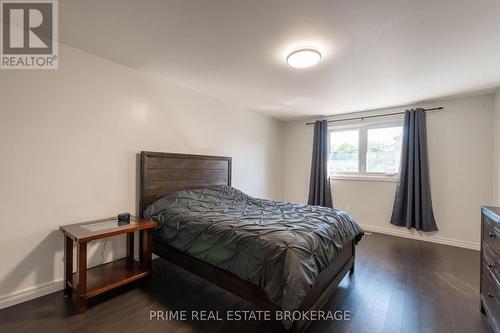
(29, 34)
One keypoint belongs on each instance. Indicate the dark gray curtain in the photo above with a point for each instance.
(319, 186)
(413, 204)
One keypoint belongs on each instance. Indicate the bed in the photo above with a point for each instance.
(277, 255)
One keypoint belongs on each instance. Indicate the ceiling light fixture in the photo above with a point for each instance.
(303, 58)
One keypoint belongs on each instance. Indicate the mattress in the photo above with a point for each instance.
(279, 246)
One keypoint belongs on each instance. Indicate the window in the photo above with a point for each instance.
(344, 151)
(365, 150)
(383, 149)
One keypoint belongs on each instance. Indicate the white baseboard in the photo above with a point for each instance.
(34, 292)
(30, 293)
(412, 235)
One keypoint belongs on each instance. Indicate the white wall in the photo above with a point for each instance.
(496, 151)
(68, 145)
(460, 143)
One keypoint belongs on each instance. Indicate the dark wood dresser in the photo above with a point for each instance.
(490, 265)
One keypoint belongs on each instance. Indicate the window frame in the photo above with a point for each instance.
(363, 128)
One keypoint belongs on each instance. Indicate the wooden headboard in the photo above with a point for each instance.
(164, 173)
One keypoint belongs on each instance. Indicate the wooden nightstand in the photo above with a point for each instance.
(94, 281)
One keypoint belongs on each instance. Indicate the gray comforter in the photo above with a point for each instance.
(279, 246)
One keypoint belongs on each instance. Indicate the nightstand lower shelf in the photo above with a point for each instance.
(103, 278)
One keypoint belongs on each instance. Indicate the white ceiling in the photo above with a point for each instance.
(375, 53)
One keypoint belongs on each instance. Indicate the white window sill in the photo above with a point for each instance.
(381, 178)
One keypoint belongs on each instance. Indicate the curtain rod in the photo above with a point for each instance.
(376, 116)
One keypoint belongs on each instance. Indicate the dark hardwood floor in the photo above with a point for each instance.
(399, 285)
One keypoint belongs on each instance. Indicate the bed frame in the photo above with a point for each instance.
(164, 173)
